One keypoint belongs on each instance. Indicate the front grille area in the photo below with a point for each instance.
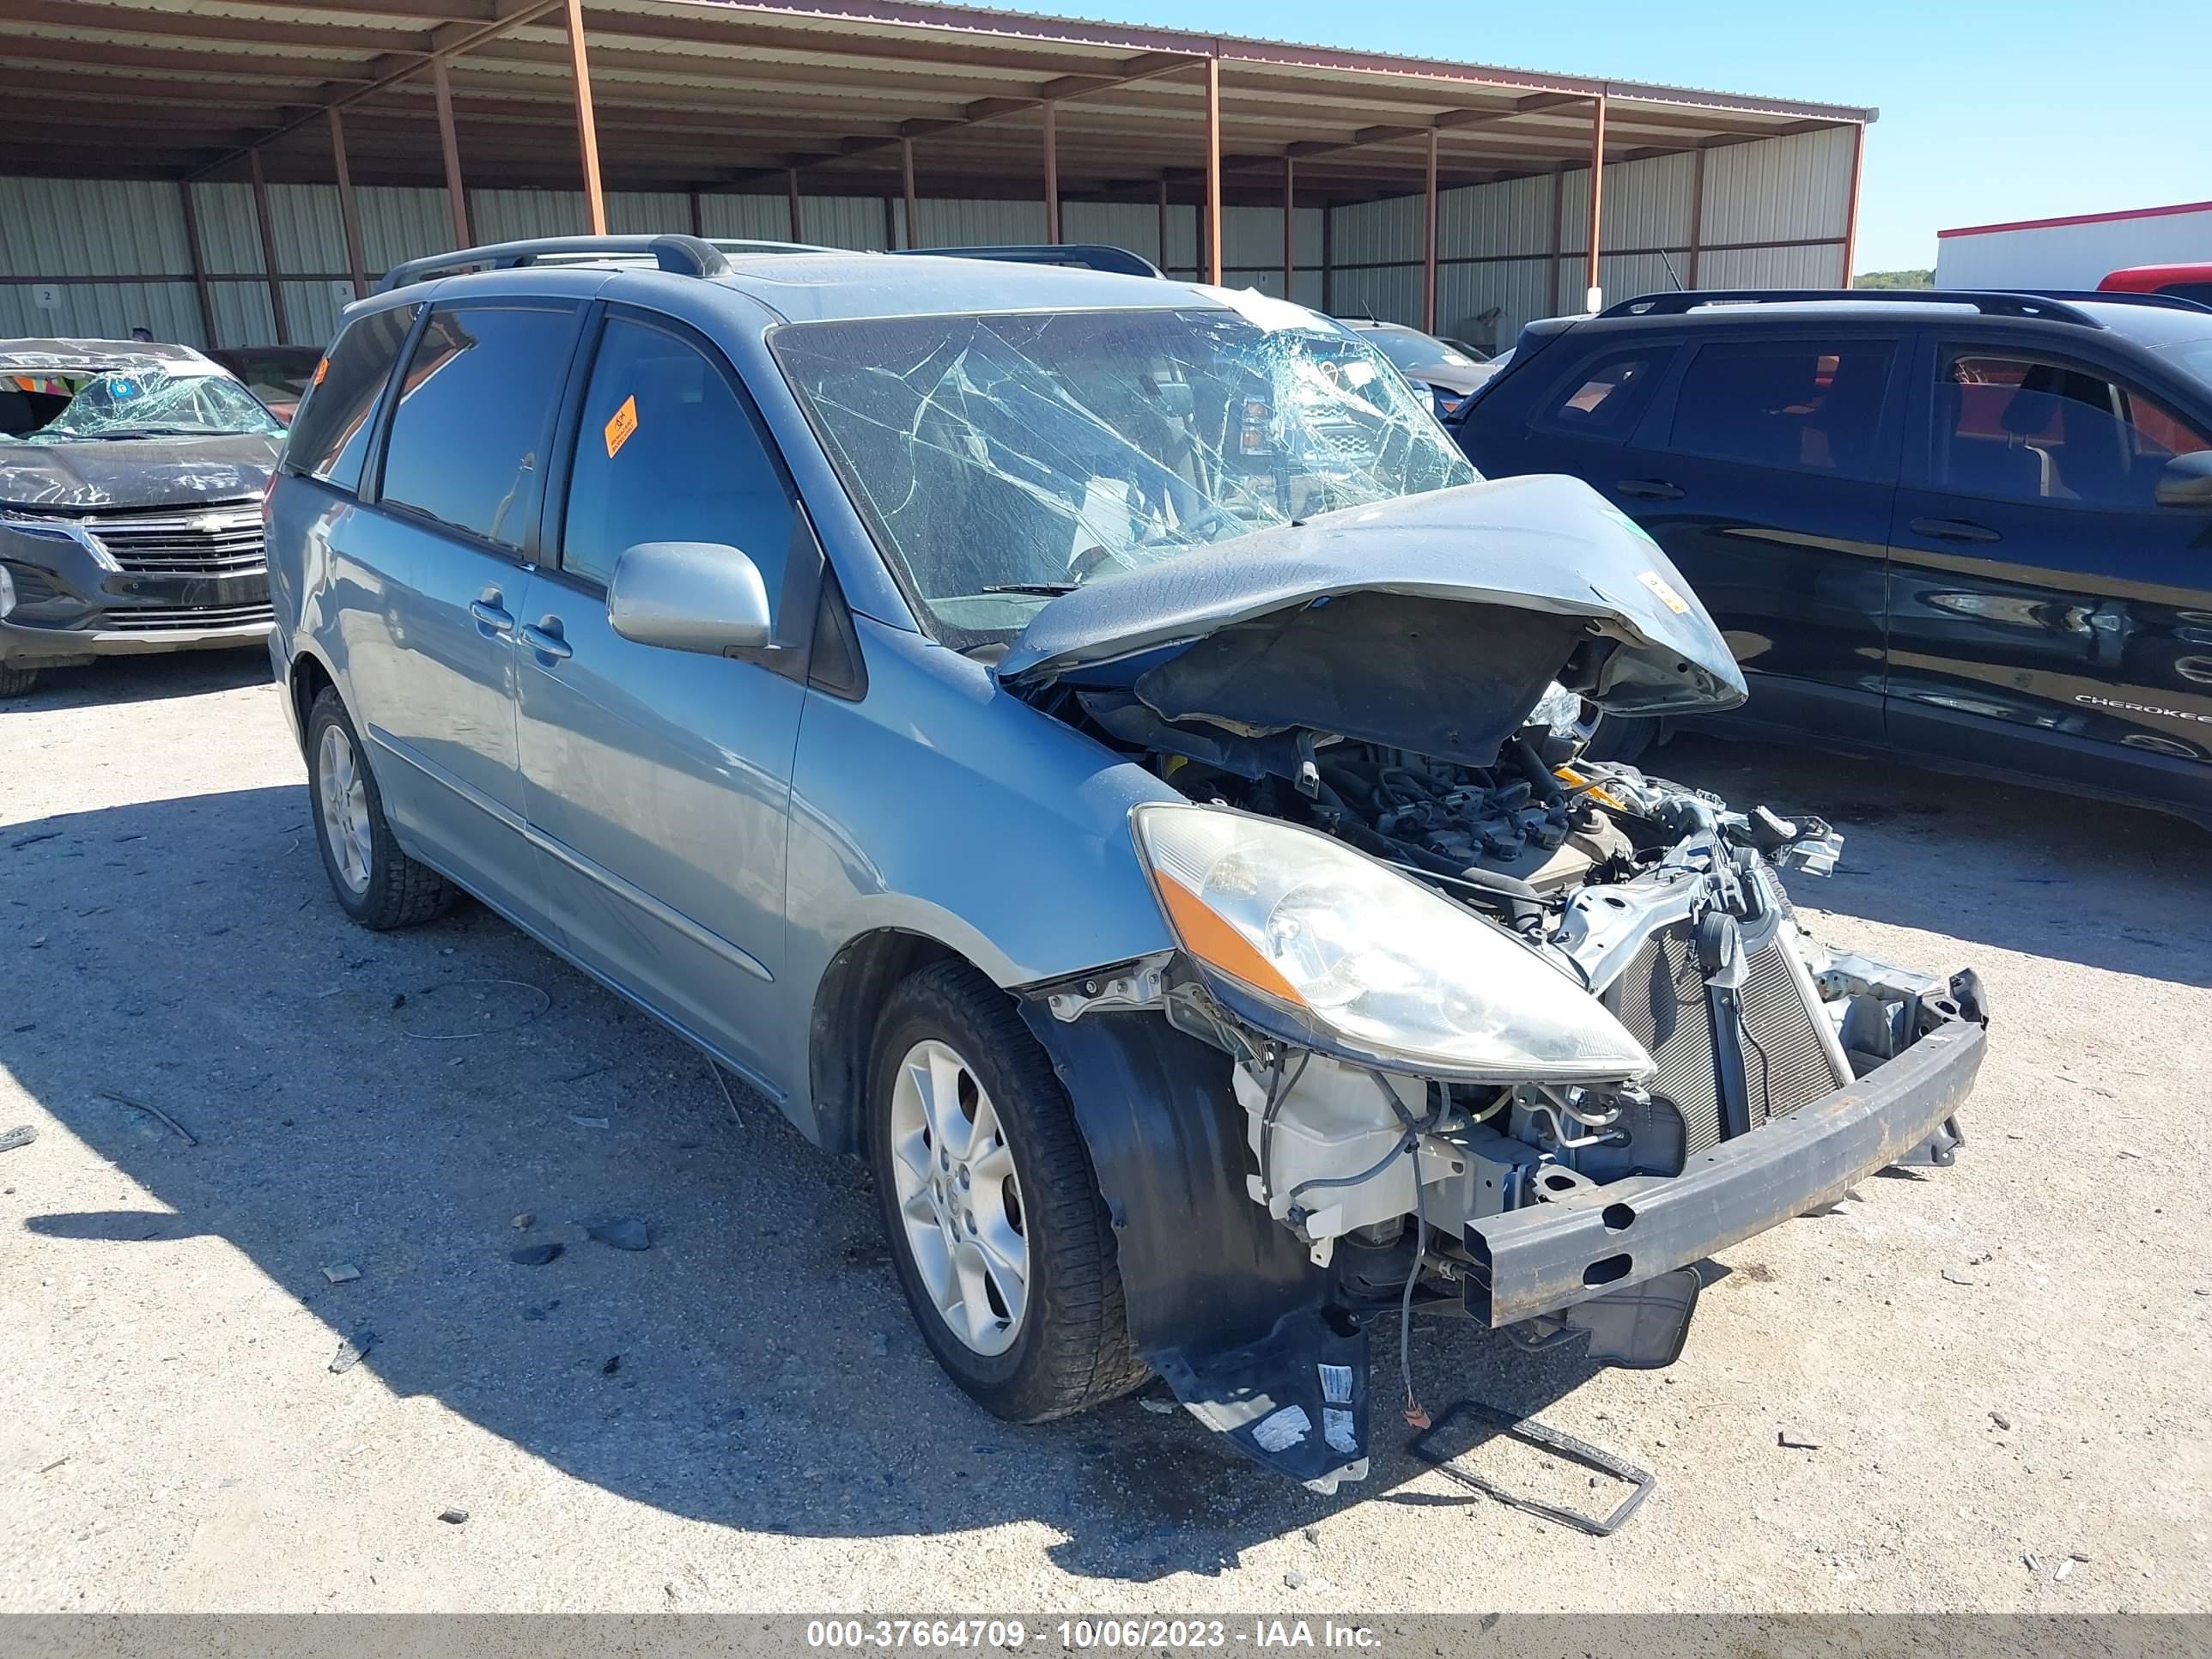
(223, 541)
(1784, 1065)
(1660, 998)
(180, 619)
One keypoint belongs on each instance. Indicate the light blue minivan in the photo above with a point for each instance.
(1090, 745)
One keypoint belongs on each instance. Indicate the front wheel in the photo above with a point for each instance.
(990, 1205)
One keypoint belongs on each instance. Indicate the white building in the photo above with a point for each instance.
(2072, 253)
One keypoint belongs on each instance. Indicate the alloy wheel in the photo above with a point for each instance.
(342, 789)
(959, 1198)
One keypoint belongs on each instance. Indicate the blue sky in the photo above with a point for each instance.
(1988, 112)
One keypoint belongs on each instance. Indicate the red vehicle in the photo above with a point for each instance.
(2186, 282)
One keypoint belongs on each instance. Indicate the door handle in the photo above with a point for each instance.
(1955, 530)
(1650, 490)
(489, 617)
(544, 638)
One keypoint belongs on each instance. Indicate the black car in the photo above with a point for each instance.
(1449, 370)
(131, 484)
(1974, 530)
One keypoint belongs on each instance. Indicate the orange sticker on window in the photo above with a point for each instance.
(624, 423)
(322, 367)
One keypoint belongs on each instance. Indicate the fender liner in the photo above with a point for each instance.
(1223, 1302)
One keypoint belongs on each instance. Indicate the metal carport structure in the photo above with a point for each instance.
(870, 120)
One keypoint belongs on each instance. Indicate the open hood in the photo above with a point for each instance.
(1431, 622)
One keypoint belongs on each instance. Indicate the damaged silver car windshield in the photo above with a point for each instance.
(151, 403)
(1000, 460)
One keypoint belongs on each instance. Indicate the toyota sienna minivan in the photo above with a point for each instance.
(1090, 746)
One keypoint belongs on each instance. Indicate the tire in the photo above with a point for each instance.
(1069, 1348)
(1618, 739)
(376, 884)
(13, 682)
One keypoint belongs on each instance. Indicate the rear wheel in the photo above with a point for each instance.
(379, 885)
(990, 1205)
(13, 682)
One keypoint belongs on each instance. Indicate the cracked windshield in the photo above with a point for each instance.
(1003, 459)
(148, 403)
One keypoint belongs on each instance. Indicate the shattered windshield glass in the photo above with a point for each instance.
(153, 403)
(1001, 460)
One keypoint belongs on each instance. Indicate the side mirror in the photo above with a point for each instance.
(689, 596)
(2186, 481)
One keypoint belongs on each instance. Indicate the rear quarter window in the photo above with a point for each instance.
(1606, 395)
(330, 434)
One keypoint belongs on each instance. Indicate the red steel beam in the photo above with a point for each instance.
(199, 262)
(791, 199)
(1852, 213)
(587, 131)
(268, 244)
(1213, 169)
(349, 209)
(457, 198)
(1597, 199)
(1051, 173)
(1429, 242)
(1697, 216)
(906, 183)
(1289, 246)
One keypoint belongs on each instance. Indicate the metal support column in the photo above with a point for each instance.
(1290, 227)
(906, 183)
(199, 263)
(349, 209)
(1696, 217)
(587, 127)
(457, 199)
(1164, 223)
(698, 216)
(1594, 296)
(1051, 172)
(791, 196)
(1852, 213)
(1213, 170)
(1328, 257)
(1429, 241)
(268, 245)
(1559, 231)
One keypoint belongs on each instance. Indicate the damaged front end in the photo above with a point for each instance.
(1457, 1020)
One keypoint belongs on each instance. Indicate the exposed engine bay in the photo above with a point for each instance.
(1456, 1018)
(1662, 903)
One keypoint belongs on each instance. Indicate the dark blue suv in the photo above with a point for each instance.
(1969, 529)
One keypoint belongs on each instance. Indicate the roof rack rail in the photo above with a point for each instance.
(1087, 256)
(685, 256)
(1989, 302)
(2117, 297)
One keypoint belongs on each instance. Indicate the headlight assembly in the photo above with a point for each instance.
(1338, 944)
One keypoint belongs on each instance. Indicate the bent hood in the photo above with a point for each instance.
(94, 474)
(1430, 622)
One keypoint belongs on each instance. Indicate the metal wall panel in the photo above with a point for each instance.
(1252, 237)
(242, 316)
(976, 224)
(1392, 293)
(1486, 304)
(647, 212)
(311, 312)
(1374, 233)
(749, 218)
(105, 310)
(1132, 225)
(310, 233)
(2071, 256)
(857, 221)
(77, 227)
(1805, 265)
(230, 239)
(512, 215)
(399, 223)
(1777, 189)
(1647, 205)
(1511, 216)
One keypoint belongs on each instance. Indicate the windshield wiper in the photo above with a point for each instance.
(1047, 590)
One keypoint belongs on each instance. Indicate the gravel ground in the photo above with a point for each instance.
(2000, 1370)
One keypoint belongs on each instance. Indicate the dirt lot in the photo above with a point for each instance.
(2002, 1370)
